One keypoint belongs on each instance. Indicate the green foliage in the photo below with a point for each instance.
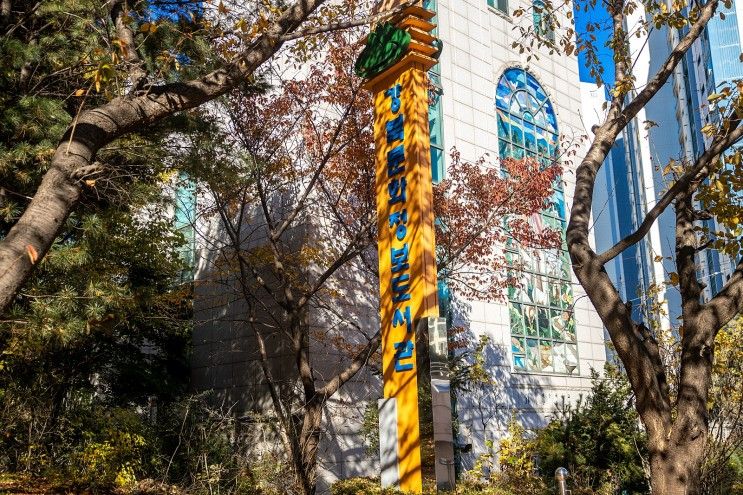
(370, 428)
(61, 58)
(598, 440)
(208, 449)
(102, 328)
(115, 450)
(722, 470)
(98, 333)
(517, 461)
(371, 486)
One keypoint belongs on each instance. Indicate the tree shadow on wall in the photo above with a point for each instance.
(487, 393)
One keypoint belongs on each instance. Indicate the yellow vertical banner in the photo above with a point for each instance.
(407, 269)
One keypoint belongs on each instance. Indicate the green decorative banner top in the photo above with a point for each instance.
(385, 46)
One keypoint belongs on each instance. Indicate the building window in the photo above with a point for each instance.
(541, 20)
(435, 116)
(184, 219)
(543, 336)
(501, 5)
(435, 112)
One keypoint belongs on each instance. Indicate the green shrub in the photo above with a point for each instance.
(599, 440)
(371, 486)
(116, 450)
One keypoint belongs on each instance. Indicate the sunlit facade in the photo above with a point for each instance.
(544, 338)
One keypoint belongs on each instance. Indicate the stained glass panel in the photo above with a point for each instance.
(517, 131)
(517, 345)
(560, 362)
(558, 324)
(545, 353)
(503, 129)
(519, 361)
(517, 319)
(555, 294)
(504, 147)
(540, 304)
(543, 320)
(530, 320)
(533, 360)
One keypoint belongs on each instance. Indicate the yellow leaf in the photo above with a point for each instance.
(709, 129)
(90, 182)
(144, 28)
(33, 255)
(79, 92)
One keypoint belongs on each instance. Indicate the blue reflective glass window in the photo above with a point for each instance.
(501, 5)
(504, 148)
(435, 127)
(539, 17)
(504, 130)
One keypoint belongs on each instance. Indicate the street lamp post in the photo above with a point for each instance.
(561, 481)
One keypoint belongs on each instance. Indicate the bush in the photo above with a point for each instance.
(210, 450)
(371, 486)
(599, 440)
(117, 449)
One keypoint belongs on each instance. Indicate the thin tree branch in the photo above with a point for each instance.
(137, 74)
(728, 302)
(339, 26)
(359, 360)
(276, 234)
(662, 75)
(699, 171)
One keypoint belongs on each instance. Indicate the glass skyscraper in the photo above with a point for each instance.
(632, 178)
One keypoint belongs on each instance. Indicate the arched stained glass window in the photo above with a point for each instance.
(543, 337)
(527, 124)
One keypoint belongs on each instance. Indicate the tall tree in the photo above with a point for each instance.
(677, 423)
(293, 205)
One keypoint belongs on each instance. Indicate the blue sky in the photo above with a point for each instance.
(582, 19)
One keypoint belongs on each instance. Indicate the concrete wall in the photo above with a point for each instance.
(477, 49)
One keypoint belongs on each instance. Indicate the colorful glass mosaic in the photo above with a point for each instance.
(543, 337)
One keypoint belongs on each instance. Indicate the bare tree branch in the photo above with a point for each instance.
(338, 26)
(699, 171)
(329, 153)
(728, 302)
(358, 361)
(137, 74)
(661, 76)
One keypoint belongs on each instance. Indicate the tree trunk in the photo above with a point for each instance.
(60, 191)
(35, 231)
(676, 469)
(309, 442)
